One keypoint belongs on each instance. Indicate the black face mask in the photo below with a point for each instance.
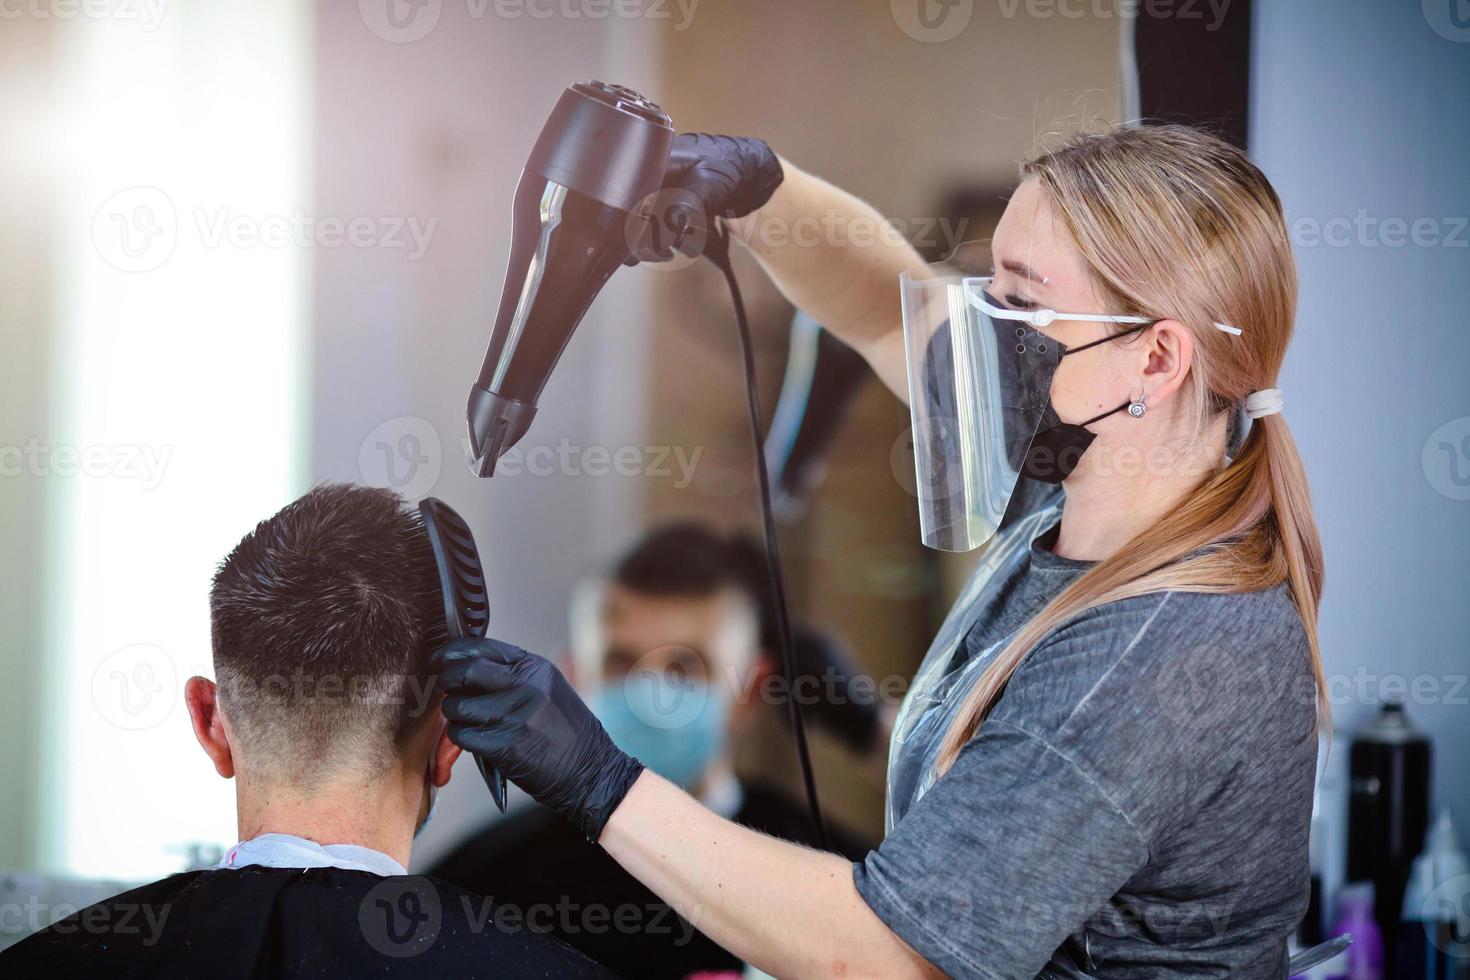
(1028, 363)
(1057, 447)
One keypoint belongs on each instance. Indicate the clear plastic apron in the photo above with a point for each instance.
(939, 688)
(947, 674)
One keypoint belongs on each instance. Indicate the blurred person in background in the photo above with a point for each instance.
(327, 717)
(673, 651)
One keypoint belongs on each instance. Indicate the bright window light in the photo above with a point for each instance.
(179, 393)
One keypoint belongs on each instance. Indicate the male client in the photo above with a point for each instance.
(324, 618)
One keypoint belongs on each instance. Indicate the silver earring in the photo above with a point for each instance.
(1137, 408)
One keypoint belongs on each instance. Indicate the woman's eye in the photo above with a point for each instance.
(1019, 302)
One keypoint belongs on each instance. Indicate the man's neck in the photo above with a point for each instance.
(375, 815)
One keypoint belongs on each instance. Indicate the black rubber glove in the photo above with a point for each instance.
(708, 177)
(518, 712)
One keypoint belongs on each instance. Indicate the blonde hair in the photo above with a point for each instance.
(1177, 224)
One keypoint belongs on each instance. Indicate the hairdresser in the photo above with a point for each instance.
(1104, 765)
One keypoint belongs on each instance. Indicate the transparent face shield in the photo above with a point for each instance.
(980, 377)
(979, 386)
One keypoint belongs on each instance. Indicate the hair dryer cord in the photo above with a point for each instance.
(717, 250)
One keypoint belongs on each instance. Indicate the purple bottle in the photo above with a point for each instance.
(1364, 960)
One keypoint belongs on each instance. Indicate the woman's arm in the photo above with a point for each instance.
(834, 256)
(830, 253)
(786, 909)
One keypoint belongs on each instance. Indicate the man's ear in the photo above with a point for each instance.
(1168, 351)
(441, 764)
(202, 697)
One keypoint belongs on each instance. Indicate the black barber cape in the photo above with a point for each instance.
(289, 922)
(538, 861)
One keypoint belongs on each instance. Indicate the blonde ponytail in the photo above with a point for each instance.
(1177, 224)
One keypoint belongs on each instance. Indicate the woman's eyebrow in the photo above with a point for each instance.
(1025, 271)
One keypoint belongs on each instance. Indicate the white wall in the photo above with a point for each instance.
(1361, 113)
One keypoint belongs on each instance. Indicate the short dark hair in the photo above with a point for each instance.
(323, 620)
(691, 560)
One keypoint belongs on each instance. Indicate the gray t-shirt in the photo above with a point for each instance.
(1136, 804)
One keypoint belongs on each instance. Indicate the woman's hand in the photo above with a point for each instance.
(517, 711)
(830, 253)
(787, 909)
(708, 177)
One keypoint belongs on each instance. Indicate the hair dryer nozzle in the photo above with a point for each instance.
(496, 424)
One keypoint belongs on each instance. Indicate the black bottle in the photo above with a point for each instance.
(1388, 812)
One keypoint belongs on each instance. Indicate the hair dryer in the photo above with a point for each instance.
(585, 205)
(581, 208)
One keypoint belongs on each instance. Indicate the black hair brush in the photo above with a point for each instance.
(466, 603)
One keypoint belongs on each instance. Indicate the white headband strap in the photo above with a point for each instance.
(1259, 404)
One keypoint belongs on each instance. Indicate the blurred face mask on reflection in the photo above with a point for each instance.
(672, 723)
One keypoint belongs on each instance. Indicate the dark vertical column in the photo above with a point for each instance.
(1194, 64)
